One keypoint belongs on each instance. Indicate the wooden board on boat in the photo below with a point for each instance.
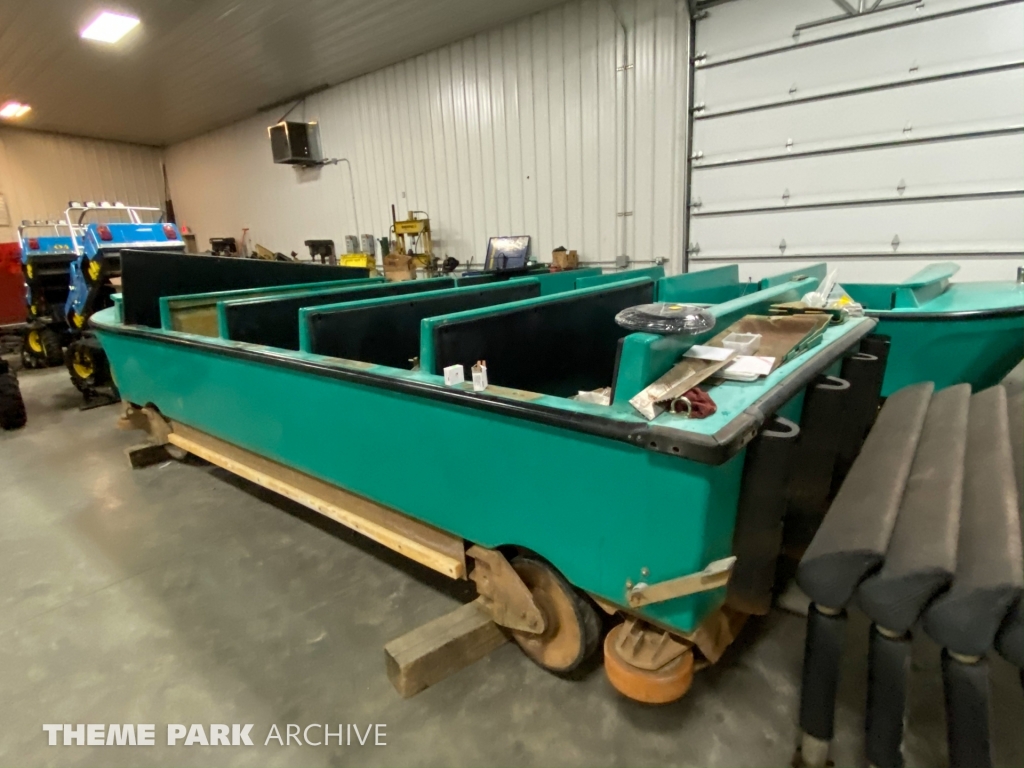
(426, 545)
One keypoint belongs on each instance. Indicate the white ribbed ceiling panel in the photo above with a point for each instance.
(568, 126)
(41, 172)
(193, 65)
(876, 139)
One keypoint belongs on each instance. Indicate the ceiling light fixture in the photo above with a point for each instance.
(12, 110)
(109, 27)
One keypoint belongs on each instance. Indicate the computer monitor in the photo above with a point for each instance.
(507, 253)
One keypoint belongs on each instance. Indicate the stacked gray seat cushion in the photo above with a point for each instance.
(1010, 640)
(921, 558)
(853, 538)
(989, 572)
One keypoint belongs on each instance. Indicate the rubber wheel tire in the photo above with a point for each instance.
(28, 358)
(100, 375)
(52, 350)
(659, 686)
(572, 631)
(12, 407)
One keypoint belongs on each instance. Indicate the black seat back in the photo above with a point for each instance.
(148, 275)
(275, 321)
(388, 333)
(556, 347)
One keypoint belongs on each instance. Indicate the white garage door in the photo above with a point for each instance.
(875, 135)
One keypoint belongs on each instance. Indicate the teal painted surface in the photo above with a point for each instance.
(876, 296)
(655, 273)
(973, 297)
(974, 351)
(694, 281)
(645, 357)
(427, 353)
(933, 273)
(194, 300)
(943, 348)
(709, 286)
(817, 271)
(560, 282)
(612, 510)
(556, 282)
(719, 295)
(925, 285)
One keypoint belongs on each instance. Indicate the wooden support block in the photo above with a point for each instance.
(440, 648)
(146, 455)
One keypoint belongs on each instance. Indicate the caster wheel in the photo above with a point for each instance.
(572, 629)
(660, 686)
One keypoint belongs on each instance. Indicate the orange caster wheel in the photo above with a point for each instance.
(633, 643)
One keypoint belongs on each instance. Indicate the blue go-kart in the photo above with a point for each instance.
(47, 252)
(94, 276)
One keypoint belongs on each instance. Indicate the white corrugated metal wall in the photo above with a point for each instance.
(876, 141)
(568, 126)
(41, 172)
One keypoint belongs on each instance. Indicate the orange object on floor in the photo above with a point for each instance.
(659, 686)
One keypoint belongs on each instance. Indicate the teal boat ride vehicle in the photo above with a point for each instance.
(47, 252)
(941, 331)
(559, 508)
(946, 332)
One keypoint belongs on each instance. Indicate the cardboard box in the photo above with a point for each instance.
(562, 259)
(398, 266)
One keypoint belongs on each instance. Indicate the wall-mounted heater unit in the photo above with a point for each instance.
(295, 143)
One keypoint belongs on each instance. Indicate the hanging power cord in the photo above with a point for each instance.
(351, 186)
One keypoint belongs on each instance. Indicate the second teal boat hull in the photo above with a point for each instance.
(978, 350)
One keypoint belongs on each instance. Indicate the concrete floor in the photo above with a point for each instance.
(179, 594)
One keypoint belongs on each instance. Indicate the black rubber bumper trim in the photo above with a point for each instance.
(707, 449)
(973, 314)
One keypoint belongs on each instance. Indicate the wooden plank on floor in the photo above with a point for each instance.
(418, 541)
(440, 648)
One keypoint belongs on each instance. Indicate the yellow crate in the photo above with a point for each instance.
(411, 226)
(363, 260)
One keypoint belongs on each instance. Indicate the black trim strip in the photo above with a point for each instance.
(971, 314)
(707, 449)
